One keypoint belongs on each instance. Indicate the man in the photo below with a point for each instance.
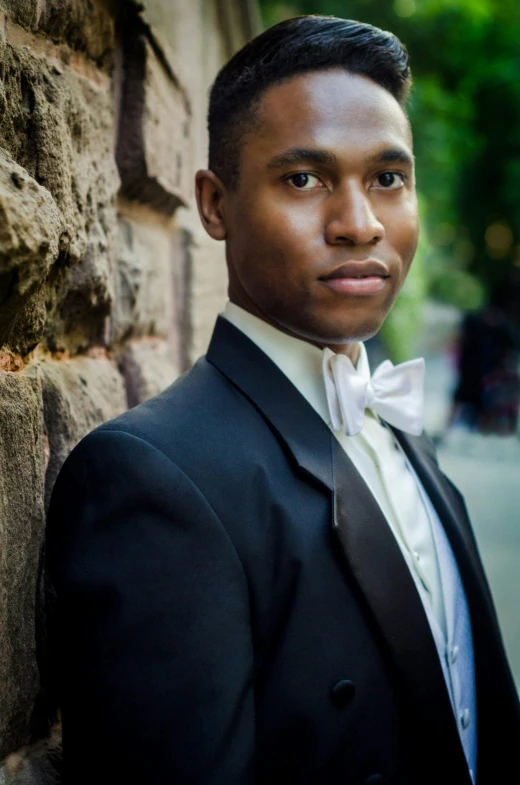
(262, 576)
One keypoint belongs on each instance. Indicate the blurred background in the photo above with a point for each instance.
(460, 307)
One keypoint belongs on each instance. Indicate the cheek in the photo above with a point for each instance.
(287, 226)
(284, 238)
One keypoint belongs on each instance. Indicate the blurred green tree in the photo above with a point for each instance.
(465, 112)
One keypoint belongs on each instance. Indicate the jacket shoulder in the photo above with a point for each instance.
(198, 388)
(197, 418)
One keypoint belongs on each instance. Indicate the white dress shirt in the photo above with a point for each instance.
(384, 467)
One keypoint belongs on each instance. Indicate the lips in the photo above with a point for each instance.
(363, 278)
(361, 269)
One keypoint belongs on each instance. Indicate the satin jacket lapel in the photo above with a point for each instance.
(294, 419)
(450, 508)
(378, 566)
(371, 553)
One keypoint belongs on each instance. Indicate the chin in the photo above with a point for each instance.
(333, 334)
(350, 332)
(346, 338)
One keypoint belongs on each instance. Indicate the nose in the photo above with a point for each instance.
(351, 219)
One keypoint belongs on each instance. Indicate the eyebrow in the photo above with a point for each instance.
(310, 155)
(393, 155)
(302, 155)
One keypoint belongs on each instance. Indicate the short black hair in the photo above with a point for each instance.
(295, 46)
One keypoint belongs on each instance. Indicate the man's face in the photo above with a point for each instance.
(322, 228)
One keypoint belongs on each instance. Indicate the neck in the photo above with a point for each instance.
(351, 350)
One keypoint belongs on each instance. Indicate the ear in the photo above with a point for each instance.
(210, 191)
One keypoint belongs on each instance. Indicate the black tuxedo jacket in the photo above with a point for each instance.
(211, 627)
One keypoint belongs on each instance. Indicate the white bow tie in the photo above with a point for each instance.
(396, 393)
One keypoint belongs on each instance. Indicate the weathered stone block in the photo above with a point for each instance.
(209, 290)
(154, 145)
(57, 123)
(22, 467)
(182, 271)
(148, 366)
(78, 394)
(144, 298)
(84, 25)
(30, 228)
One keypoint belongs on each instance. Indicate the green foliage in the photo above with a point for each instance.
(465, 113)
(457, 287)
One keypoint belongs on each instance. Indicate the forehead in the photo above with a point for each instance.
(332, 109)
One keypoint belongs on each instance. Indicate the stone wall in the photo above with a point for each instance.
(108, 287)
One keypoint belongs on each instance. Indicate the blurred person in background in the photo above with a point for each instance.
(262, 575)
(487, 396)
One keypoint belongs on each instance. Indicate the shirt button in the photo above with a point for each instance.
(416, 556)
(454, 653)
(465, 718)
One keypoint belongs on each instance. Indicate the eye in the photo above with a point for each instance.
(304, 181)
(391, 181)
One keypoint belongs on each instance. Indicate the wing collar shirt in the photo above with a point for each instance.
(381, 462)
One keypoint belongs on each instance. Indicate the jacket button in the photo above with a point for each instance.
(342, 693)
(375, 779)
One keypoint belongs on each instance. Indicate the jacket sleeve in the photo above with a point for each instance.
(152, 625)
